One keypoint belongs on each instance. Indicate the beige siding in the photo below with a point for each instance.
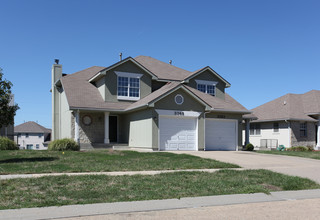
(65, 117)
(267, 132)
(209, 76)
(101, 87)
(141, 133)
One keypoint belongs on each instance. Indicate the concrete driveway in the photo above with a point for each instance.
(295, 166)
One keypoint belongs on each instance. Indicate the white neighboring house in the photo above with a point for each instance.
(32, 136)
(290, 120)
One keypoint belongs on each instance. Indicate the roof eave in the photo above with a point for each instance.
(230, 111)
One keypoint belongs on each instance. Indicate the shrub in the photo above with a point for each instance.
(298, 148)
(249, 147)
(7, 144)
(63, 145)
(310, 148)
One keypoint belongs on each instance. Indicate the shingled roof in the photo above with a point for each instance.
(161, 69)
(31, 127)
(290, 107)
(81, 94)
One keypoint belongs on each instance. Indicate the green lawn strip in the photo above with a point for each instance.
(67, 190)
(306, 154)
(29, 161)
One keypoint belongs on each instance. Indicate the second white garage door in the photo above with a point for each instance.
(178, 133)
(221, 134)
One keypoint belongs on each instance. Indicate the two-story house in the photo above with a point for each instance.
(32, 136)
(146, 103)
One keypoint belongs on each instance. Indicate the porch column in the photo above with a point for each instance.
(76, 127)
(106, 128)
(318, 133)
(247, 141)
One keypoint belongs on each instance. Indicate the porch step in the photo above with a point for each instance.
(100, 146)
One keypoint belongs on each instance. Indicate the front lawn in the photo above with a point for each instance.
(32, 161)
(307, 154)
(67, 190)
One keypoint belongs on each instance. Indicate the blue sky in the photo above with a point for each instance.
(265, 49)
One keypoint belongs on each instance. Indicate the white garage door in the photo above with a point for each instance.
(178, 133)
(221, 134)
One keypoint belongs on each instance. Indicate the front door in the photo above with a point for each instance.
(113, 128)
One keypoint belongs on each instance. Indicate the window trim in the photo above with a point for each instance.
(206, 83)
(128, 75)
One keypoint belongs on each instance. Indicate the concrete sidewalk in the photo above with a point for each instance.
(154, 205)
(120, 173)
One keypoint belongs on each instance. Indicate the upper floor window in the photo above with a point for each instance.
(27, 135)
(303, 129)
(208, 87)
(255, 129)
(275, 127)
(128, 85)
(40, 135)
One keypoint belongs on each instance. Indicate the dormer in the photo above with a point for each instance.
(124, 81)
(208, 81)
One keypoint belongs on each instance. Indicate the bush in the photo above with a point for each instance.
(7, 144)
(249, 147)
(298, 148)
(63, 145)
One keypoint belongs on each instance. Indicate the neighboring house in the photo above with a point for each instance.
(146, 103)
(32, 136)
(291, 120)
(8, 131)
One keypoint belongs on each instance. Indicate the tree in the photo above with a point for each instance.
(7, 109)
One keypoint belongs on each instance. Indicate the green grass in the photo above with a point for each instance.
(29, 161)
(67, 190)
(307, 154)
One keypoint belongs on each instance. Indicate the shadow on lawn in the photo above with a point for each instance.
(31, 159)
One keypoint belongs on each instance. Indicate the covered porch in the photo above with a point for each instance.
(93, 129)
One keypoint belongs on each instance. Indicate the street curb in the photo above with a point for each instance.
(153, 205)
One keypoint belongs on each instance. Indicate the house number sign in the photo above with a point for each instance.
(179, 113)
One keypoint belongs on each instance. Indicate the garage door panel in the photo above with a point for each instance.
(178, 133)
(221, 134)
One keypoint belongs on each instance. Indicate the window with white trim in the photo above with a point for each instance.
(208, 87)
(128, 85)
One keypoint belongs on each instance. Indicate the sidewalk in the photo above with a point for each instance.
(114, 173)
(154, 205)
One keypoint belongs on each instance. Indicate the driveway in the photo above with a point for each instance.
(295, 166)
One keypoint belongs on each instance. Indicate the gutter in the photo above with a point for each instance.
(230, 111)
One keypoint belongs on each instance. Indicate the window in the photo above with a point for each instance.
(255, 129)
(128, 85)
(208, 87)
(27, 135)
(276, 127)
(37, 146)
(29, 146)
(303, 129)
